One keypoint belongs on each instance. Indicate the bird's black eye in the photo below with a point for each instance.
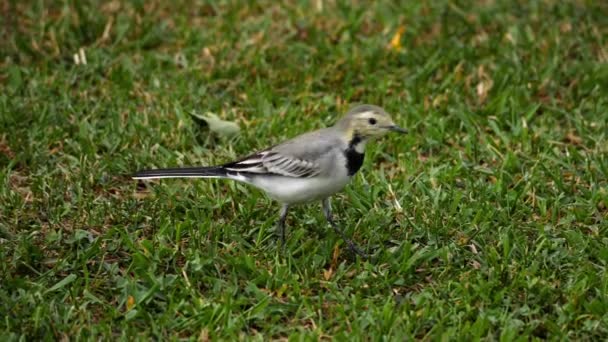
(372, 121)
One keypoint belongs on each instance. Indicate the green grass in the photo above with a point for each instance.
(488, 221)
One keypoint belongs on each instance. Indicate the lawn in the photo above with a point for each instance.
(488, 221)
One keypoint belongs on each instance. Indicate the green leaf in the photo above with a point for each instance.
(217, 125)
(62, 283)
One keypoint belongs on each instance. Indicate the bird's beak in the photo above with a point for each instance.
(398, 129)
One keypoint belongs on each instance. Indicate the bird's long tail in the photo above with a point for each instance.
(187, 172)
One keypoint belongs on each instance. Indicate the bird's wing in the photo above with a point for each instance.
(270, 162)
(301, 157)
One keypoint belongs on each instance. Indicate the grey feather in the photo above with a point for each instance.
(304, 156)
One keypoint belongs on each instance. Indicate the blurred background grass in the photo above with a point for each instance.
(488, 221)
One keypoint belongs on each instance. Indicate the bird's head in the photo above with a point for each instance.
(367, 121)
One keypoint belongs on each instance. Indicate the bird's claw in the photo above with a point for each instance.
(356, 250)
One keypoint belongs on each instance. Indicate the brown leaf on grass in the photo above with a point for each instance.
(114, 192)
(302, 32)
(484, 85)
(319, 5)
(393, 197)
(573, 139)
(141, 194)
(111, 7)
(473, 248)
(255, 39)
(141, 191)
(428, 36)
(509, 37)
(334, 257)
(180, 60)
(56, 147)
(206, 57)
(204, 335)
(439, 100)
(6, 150)
(482, 90)
(458, 71)
(601, 205)
(602, 55)
(480, 38)
(328, 273)
(20, 184)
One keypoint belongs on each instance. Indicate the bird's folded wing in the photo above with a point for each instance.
(271, 162)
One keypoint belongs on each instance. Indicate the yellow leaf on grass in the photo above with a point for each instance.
(130, 303)
(395, 43)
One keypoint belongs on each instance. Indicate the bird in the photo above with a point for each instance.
(310, 167)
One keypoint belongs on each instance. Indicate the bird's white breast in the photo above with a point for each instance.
(300, 190)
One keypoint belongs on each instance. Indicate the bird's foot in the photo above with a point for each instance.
(351, 245)
(356, 249)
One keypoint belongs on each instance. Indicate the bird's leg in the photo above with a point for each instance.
(353, 247)
(281, 224)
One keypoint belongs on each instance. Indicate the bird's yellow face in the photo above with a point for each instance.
(369, 122)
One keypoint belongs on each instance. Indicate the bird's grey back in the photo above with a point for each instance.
(318, 146)
(310, 145)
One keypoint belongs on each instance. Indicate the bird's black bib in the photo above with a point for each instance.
(354, 159)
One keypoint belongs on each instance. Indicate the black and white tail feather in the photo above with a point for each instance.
(266, 163)
(186, 172)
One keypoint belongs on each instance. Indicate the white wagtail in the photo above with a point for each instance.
(309, 167)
